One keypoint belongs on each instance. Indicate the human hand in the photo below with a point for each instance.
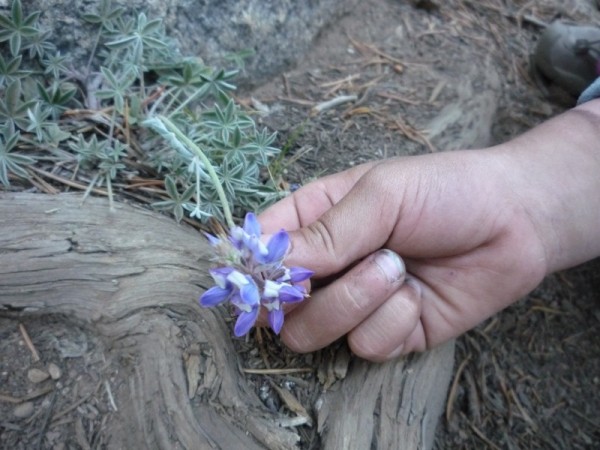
(469, 246)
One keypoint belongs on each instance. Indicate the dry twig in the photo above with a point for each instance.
(340, 100)
(29, 343)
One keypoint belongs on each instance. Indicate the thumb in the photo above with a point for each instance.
(355, 227)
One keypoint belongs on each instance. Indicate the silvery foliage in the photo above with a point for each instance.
(92, 119)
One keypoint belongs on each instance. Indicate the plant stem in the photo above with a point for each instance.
(210, 169)
(188, 100)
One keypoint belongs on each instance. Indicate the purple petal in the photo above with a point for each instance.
(220, 275)
(276, 320)
(290, 294)
(245, 322)
(298, 274)
(258, 249)
(214, 296)
(278, 245)
(249, 294)
(236, 237)
(251, 225)
(213, 240)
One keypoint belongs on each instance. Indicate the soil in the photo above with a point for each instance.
(422, 76)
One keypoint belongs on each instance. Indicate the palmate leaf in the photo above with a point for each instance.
(191, 74)
(110, 160)
(13, 110)
(10, 161)
(116, 88)
(56, 97)
(39, 44)
(219, 82)
(225, 121)
(37, 120)
(14, 28)
(55, 65)
(260, 146)
(138, 36)
(10, 70)
(105, 14)
(177, 202)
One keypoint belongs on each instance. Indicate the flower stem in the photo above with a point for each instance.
(209, 168)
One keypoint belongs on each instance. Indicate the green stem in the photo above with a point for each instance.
(187, 101)
(210, 169)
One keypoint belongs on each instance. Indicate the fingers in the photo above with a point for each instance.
(339, 307)
(309, 202)
(357, 225)
(387, 332)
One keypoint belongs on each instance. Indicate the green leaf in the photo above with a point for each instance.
(11, 71)
(151, 27)
(11, 162)
(92, 18)
(105, 14)
(37, 120)
(15, 44)
(54, 135)
(177, 202)
(16, 12)
(123, 42)
(16, 28)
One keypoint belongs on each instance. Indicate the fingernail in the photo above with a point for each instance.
(395, 353)
(414, 284)
(391, 265)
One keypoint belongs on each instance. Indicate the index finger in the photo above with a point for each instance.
(308, 203)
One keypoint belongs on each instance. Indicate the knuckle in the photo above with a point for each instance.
(319, 236)
(356, 303)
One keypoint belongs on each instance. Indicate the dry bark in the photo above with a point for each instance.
(131, 278)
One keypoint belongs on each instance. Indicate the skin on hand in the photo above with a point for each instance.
(470, 227)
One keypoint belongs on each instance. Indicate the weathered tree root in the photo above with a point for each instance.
(132, 278)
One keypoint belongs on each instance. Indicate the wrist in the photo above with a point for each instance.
(555, 174)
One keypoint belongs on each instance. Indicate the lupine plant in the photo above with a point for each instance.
(252, 275)
(137, 112)
(100, 121)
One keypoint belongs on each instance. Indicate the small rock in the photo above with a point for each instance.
(23, 410)
(54, 371)
(37, 375)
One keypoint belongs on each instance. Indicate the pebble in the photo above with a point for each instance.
(37, 375)
(23, 410)
(54, 371)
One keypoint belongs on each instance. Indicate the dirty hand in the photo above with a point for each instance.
(475, 231)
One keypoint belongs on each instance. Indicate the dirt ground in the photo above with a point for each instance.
(422, 76)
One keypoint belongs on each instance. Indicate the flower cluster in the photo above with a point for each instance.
(253, 275)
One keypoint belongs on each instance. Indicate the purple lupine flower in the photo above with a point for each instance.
(254, 276)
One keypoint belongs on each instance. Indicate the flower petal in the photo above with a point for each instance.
(278, 246)
(276, 320)
(237, 278)
(290, 294)
(214, 296)
(251, 225)
(220, 275)
(245, 322)
(249, 293)
(213, 240)
(236, 237)
(298, 274)
(258, 249)
(271, 289)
